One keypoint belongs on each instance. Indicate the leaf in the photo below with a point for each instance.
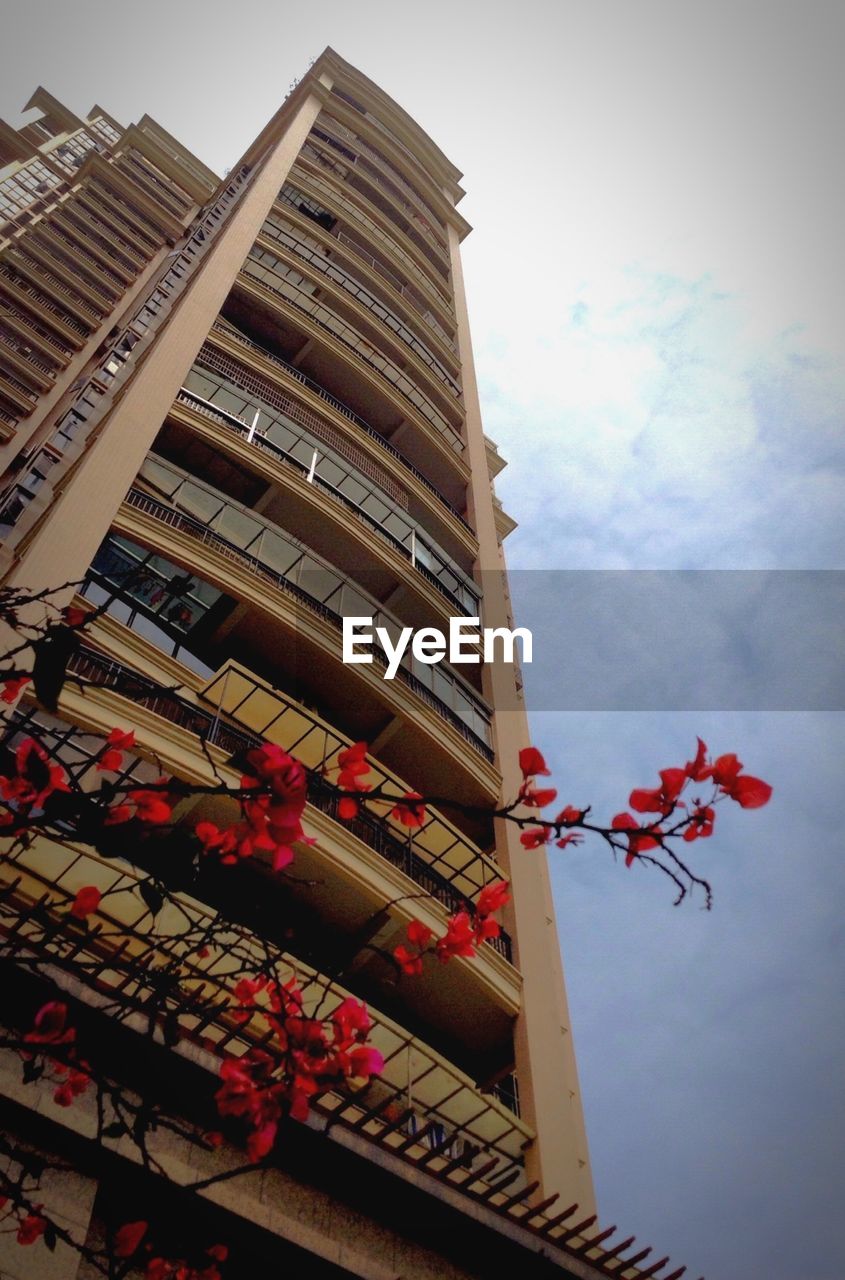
(151, 895)
(49, 668)
(32, 1071)
(50, 1238)
(114, 1130)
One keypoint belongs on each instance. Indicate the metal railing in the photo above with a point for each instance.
(194, 528)
(92, 665)
(293, 372)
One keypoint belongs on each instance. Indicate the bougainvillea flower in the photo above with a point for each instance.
(354, 767)
(128, 1238)
(459, 939)
(532, 763)
(31, 1229)
(492, 898)
(72, 616)
(698, 769)
(408, 811)
(347, 808)
(50, 1025)
(409, 962)
(726, 770)
(663, 798)
(701, 823)
(750, 793)
(36, 779)
(536, 837)
(118, 742)
(86, 901)
(419, 934)
(12, 688)
(570, 814)
(151, 806)
(637, 840)
(534, 798)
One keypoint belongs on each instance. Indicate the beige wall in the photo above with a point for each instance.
(545, 1058)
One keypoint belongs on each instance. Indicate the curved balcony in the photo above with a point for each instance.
(304, 171)
(283, 280)
(313, 251)
(294, 446)
(391, 172)
(440, 1109)
(440, 860)
(396, 206)
(232, 334)
(328, 161)
(280, 559)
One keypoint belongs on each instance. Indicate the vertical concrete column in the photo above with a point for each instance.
(545, 1060)
(64, 545)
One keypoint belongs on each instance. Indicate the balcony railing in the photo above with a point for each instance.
(89, 664)
(236, 336)
(338, 197)
(325, 574)
(411, 548)
(283, 282)
(416, 1082)
(312, 252)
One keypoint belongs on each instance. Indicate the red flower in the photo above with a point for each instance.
(73, 616)
(700, 824)
(31, 1229)
(151, 806)
(347, 808)
(76, 1083)
(492, 898)
(459, 939)
(219, 1252)
(750, 793)
(419, 934)
(726, 770)
(50, 1025)
(116, 814)
(663, 798)
(12, 688)
(36, 779)
(365, 1061)
(408, 811)
(86, 901)
(353, 767)
(532, 763)
(409, 962)
(536, 837)
(535, 799)
(112, 757)
(260, 1141)
(698, 769)
(128, 1238)
(569, 815)
(637, 840)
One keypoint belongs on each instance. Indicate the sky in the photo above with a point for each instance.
(656, 295)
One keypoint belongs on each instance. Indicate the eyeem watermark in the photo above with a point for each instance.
(467, 641)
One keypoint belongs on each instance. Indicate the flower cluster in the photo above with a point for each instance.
(271, 819)
(727, 779)
(132, 1239)
(308, 1055)
(532, 765)
(30, 1224)
(464, 932)
(34, 781)
(50, 1027)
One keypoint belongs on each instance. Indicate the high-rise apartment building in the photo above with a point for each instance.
(238, 411)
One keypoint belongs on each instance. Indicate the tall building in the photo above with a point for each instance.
(237, 411)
